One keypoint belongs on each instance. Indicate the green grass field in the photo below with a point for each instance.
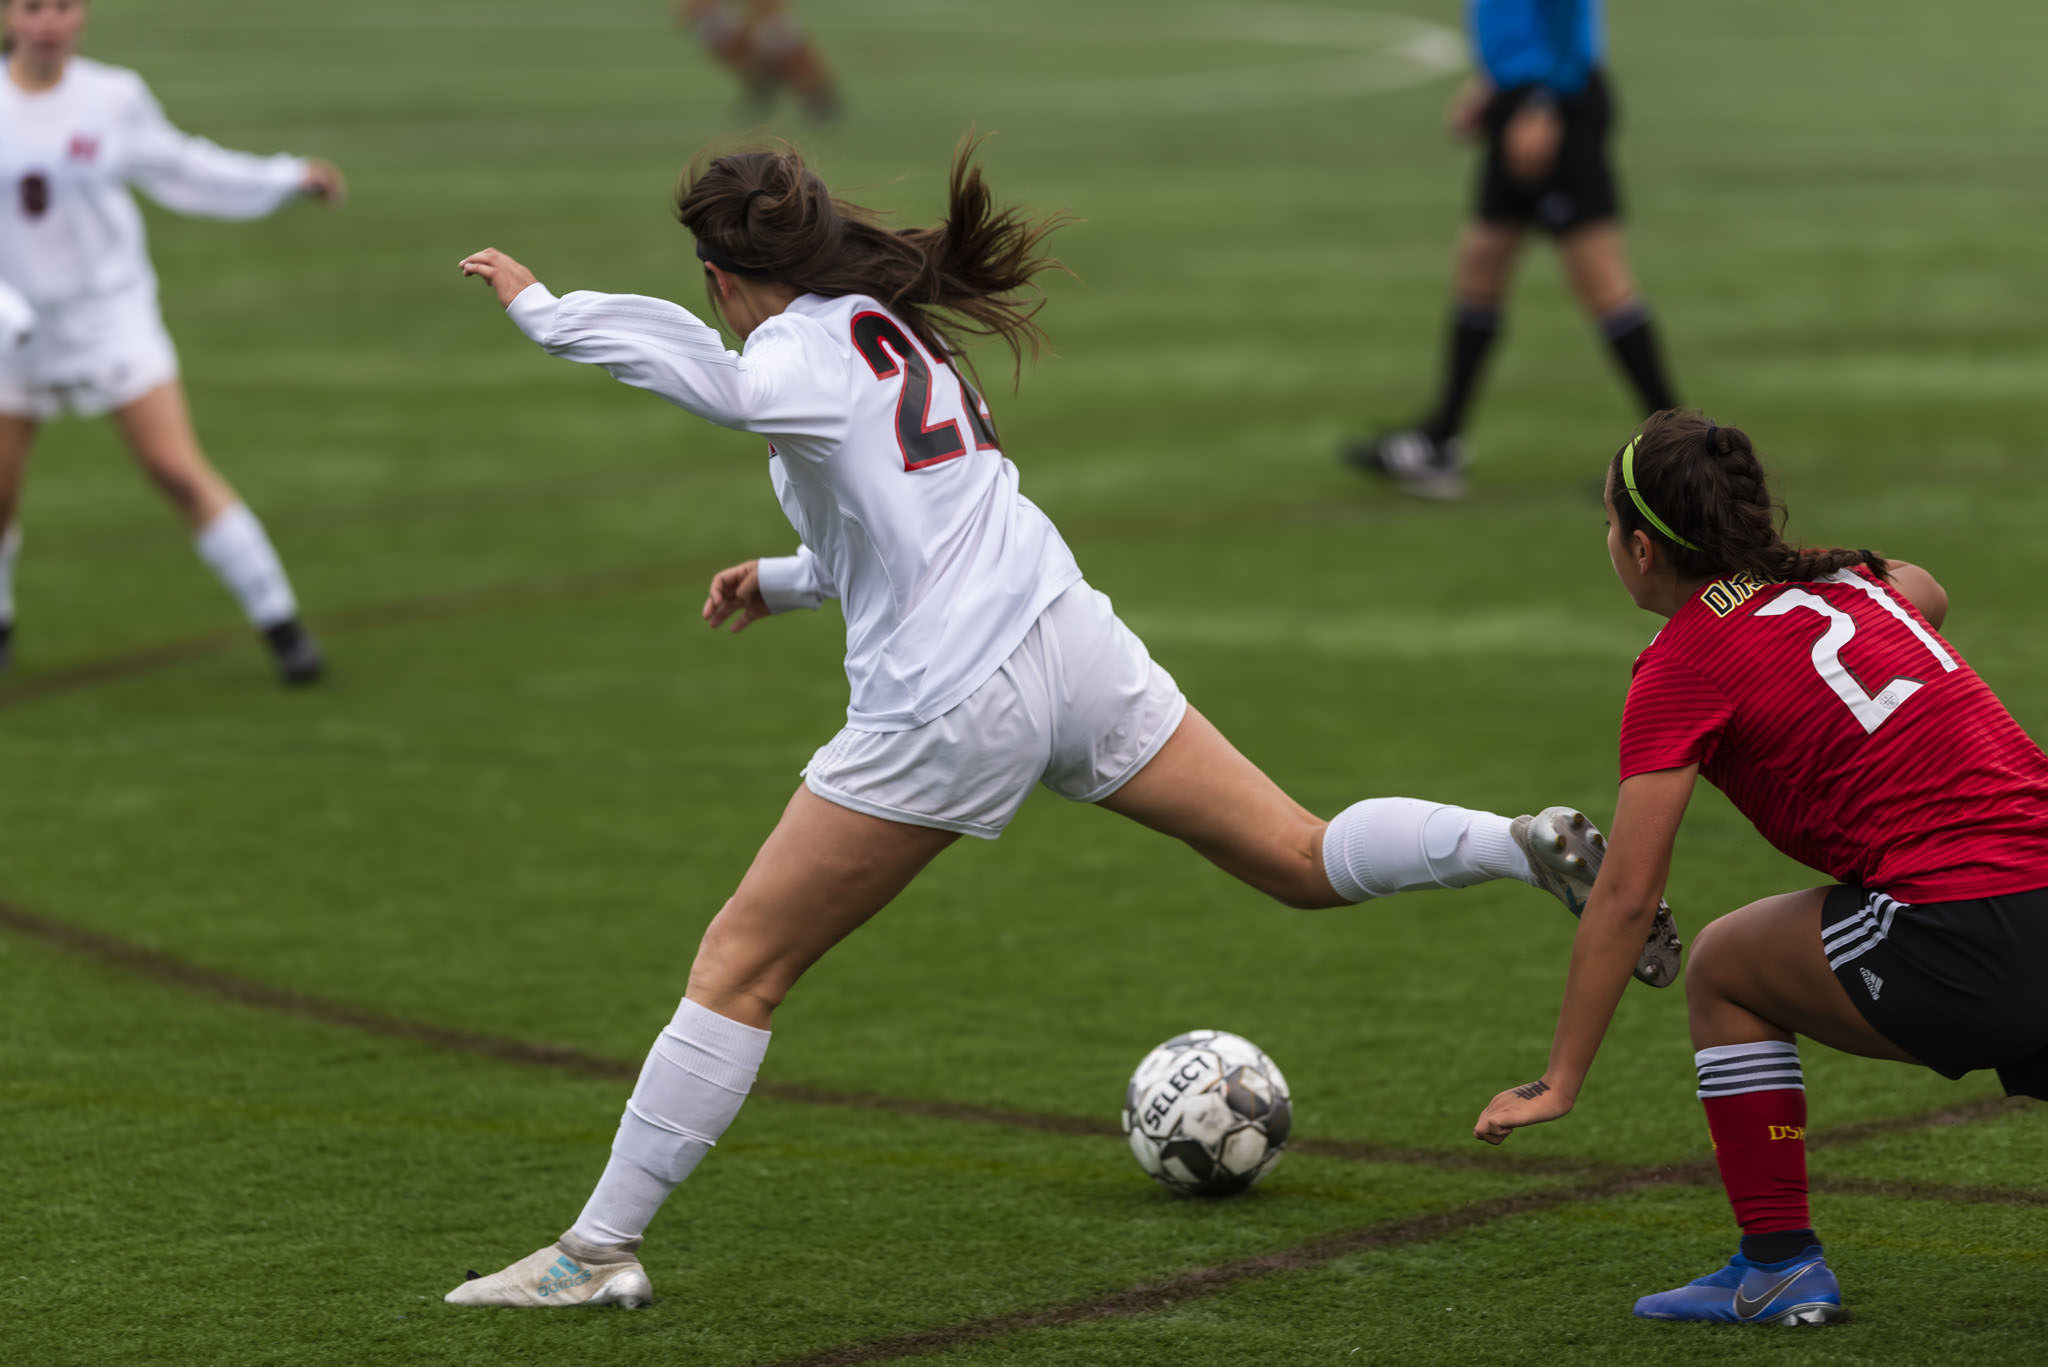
(270, 960)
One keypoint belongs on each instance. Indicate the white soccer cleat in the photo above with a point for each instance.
(566, 1272)
(1565, 851)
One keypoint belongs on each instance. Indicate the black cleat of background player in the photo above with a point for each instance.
(6, 645)
(1413, 460)
(298, 657)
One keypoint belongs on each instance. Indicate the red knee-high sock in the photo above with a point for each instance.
(1755, 1098)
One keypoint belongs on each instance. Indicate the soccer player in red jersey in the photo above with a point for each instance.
(1812, 688)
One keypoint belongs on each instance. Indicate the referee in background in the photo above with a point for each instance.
(1540, 103)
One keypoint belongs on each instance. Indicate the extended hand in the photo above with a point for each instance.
(1530, 143)
(736, 590)
(323, 181)
(506, 276)
(1530, 1104)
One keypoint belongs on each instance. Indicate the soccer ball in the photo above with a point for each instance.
(1207, 1113)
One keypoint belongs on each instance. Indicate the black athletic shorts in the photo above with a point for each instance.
(1580, 188)
(1958, 985)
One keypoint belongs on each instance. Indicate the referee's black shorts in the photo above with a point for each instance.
(1580, 188)
(1958, 985)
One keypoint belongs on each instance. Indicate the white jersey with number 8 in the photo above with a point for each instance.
(884, 460)
(69, 228)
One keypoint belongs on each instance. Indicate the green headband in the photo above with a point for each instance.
(1628, 480)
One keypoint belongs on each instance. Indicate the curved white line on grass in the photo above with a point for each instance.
(1360, 52)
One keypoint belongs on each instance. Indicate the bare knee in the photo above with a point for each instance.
(1596, 264)
(195, 491)
(1291, 873)
(1485, 260)
(737, 975)
(1713, 988)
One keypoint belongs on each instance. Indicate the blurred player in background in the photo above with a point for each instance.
(761, 42)
(1811, 688)
(981, 663)
(1542, 108)
(74, 135)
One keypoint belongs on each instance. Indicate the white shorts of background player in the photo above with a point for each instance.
(87, 358)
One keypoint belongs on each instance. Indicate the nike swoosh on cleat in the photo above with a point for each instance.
(1747, 1308)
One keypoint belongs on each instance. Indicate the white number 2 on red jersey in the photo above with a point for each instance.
(1869, 710)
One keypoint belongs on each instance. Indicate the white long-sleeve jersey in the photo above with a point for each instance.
(17, 319)
(884, 460)
(69, 229)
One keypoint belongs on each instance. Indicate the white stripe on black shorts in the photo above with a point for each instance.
(1958, 985)
(1859, 932)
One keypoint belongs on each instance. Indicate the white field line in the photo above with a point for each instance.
(1357, 52)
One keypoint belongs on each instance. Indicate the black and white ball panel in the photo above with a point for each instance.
(1207, 1113)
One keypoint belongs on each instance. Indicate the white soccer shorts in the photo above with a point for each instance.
(1080, 706)
(88, 358)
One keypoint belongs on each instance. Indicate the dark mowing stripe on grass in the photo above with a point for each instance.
(1151, 1297)
(1131, 1302)
(246, 992)
(177, 972)
(1205, 1281)
(227, 987)
(114, 668)
(424, 607)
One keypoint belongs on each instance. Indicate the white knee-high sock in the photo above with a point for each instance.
(10, 554)
(1386, 845)
(235, 546)
(699, 1071)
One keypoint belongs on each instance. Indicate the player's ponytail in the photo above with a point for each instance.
(1701, 494)
(765, 215)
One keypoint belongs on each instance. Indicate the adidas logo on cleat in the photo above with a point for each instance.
(563, 1276)
(1872, 983)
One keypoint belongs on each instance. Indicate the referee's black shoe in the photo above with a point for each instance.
(6, 645)
(298, 657)
(1415, 462)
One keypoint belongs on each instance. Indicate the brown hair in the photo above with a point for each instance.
(1707, 485)
(768, 215)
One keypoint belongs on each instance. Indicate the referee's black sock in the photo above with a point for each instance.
(1633, 338)
(1473, 328)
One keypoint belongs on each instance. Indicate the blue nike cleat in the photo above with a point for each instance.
(1799, 1290)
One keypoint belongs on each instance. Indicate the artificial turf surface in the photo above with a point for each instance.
(533, 776)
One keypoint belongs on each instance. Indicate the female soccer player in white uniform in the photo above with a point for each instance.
(74, 135)
(981, 662)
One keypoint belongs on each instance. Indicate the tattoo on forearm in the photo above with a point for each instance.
(1533, 1090)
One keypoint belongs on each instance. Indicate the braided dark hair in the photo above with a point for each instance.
(1707, 485)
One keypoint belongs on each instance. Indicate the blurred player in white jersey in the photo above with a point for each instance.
(761, 42)
(981, 663)
(74, 135)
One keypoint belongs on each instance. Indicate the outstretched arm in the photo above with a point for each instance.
(190, 175)
(790, 381)
(1604, 950)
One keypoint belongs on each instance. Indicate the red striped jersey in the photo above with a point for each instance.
(1855, 738)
